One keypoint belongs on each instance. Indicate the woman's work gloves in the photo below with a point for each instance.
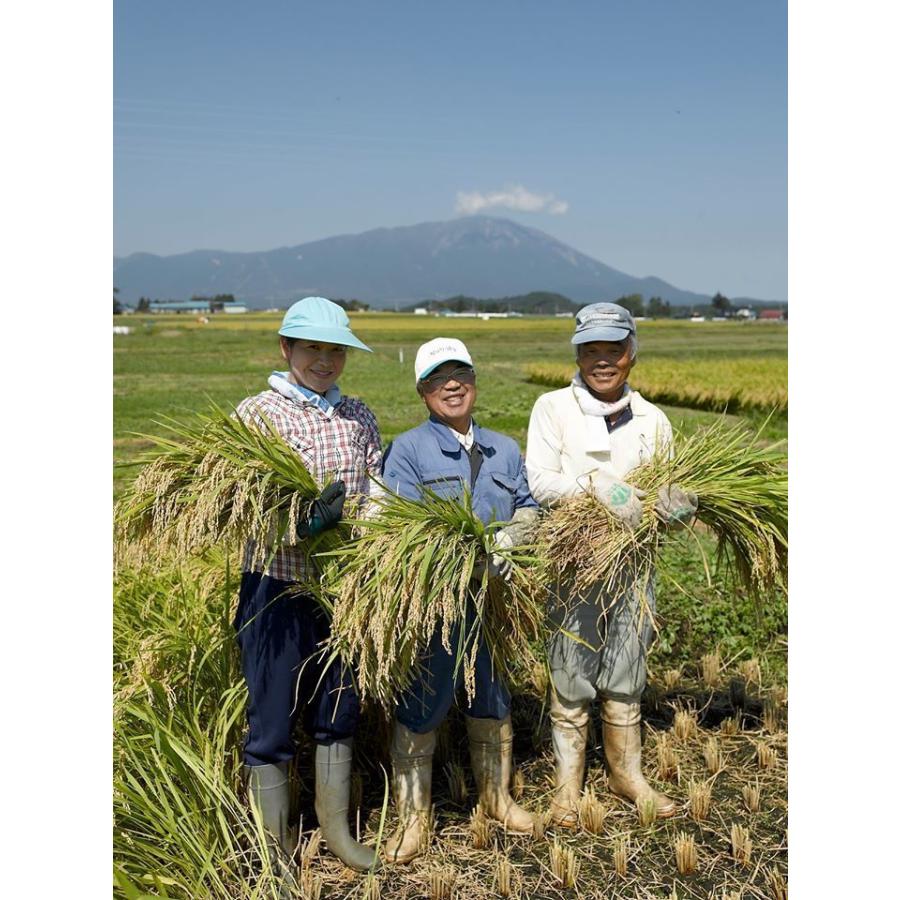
(675, 504)
(324, 512)
(622, 500)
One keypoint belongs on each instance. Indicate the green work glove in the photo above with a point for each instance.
(622, 501)
(325, 511)
(675, 504)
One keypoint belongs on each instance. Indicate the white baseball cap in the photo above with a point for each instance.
(435, 352)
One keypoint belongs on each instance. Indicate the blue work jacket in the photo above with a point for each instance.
(431, 456)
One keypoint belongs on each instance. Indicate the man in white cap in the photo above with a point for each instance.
(587, 437)
(279, 623)
(448, 454)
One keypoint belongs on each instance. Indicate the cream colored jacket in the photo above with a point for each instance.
(569, 452)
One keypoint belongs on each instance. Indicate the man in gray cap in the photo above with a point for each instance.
(587, 437)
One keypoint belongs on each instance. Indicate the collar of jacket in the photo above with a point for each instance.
(278, 381)
(450, 445)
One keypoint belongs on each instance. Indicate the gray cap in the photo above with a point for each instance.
(602, 322)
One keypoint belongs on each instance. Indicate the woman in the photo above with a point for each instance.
(450, 453)
(588, 437)
(279, 623)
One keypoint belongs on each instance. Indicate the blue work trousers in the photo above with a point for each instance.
(278, 630)
(424, 705)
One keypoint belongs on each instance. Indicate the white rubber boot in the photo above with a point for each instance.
(622, 747)
(490, 747)
(569, 723)
(411, 756)
(333, 762)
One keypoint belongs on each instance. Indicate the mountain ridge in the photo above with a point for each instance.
(393, 265)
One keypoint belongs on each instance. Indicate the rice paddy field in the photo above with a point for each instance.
(715, 712)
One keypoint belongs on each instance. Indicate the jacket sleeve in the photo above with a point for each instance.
(542, 456)
(524, 500)
(400, 472)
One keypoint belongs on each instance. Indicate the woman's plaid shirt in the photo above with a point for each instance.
(343, 442)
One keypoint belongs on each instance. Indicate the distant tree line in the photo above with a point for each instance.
(536, 303)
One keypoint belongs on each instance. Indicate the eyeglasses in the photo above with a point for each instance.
(463, 376)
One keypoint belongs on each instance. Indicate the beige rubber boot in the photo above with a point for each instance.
(411, 756)
(333, 762)
(622, 746)
(490, 747)
(569, 723)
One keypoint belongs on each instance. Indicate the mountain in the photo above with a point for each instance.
(476, 255)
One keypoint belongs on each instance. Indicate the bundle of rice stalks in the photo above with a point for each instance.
(217, 480)
(742, 491)
(409, 573)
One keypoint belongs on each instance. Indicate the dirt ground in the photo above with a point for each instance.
(721, 739)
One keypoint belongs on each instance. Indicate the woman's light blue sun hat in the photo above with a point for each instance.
(318, 319)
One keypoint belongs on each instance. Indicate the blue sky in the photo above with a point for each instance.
(649, 135)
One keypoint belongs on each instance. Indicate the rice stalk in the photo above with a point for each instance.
(742, 491)
(217, 481)
(564, 864)
(647, 811)
(503, 875)
(750, 793)
(741, 844)
(620, 856)
(776, 883)
(592, 812)
(685, 853)
(712, 755)
(766, 756)
(671, 677)
(408, 576)
(441, 882)
(481, 828)
(729, 727)
(685, 725)
(666, 759)
(699, 799)
(711, 669)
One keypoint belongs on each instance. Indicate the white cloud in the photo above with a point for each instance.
(515, 197)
